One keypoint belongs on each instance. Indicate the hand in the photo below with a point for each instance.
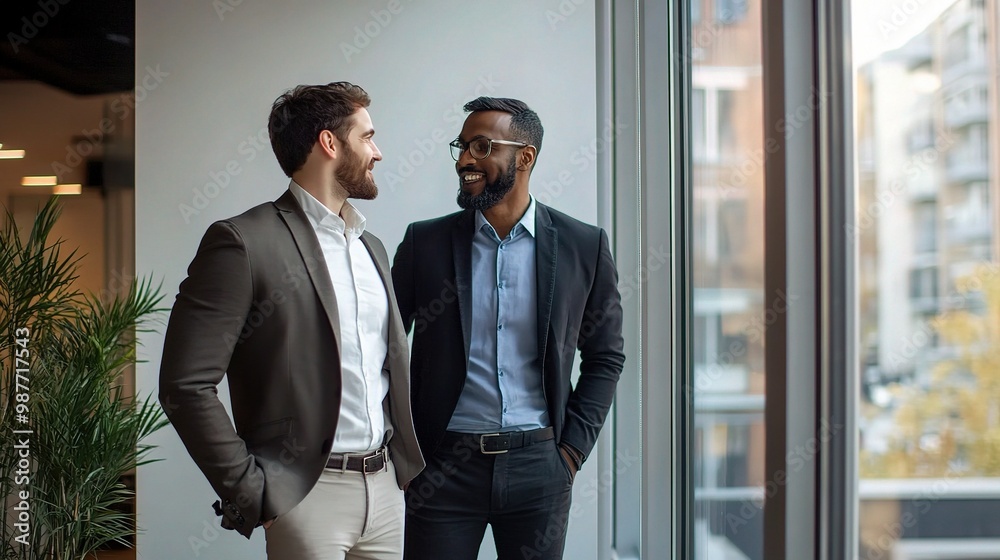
(267, 524)
(568, 457)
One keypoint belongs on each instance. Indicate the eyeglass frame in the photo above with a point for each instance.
(459, 144)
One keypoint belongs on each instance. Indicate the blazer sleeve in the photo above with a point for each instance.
(204, 326)
(602, 356)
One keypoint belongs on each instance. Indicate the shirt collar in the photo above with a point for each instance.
(350, 220)
(527, 221)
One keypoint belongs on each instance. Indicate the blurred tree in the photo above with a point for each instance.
(951, 425)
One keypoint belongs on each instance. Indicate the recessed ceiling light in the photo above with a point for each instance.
(70, 188)
(39, 181)
(11, 154)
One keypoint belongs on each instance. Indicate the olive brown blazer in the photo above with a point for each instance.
(258, 307)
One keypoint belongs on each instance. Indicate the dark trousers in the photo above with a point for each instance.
(524, 495)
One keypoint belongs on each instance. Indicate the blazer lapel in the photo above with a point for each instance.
(382, 265)
(395, 364)
(312, 256)
(461, 246)
(546, 257)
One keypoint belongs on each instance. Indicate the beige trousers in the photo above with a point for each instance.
(346, 516)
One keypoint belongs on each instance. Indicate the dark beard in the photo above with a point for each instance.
(353, 177)
(492, 193)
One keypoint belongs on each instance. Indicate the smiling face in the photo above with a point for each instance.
(354, 170)
(484, 183)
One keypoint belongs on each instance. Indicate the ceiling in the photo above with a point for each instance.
(84, 48)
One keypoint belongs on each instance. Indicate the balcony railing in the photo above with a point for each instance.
(974, 65)
(962, 231)
(974, 111)
(967, 170)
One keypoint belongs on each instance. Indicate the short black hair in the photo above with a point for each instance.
(300, 114)
(525, 126)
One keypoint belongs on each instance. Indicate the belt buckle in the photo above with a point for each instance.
(482, 445)
(376, 455)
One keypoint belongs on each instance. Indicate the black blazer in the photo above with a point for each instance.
(579, 307)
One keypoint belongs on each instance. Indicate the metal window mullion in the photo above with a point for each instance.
(682, 187)
(837, 504)
(604, 29)
(628, 494)
(660, 151)
(791, 241)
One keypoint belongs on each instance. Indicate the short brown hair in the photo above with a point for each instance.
(300, 114)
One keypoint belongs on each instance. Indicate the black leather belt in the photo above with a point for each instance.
(492, 444)
(371, 463)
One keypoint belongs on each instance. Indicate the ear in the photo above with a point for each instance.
(526, 160)
(328, 144)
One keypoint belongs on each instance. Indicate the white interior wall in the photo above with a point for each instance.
(206, 76)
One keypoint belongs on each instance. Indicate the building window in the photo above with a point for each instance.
(730, 11)
(929, 445)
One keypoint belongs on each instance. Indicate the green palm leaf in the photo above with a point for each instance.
(87, 433)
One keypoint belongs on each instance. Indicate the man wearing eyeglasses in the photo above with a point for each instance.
(500, 296)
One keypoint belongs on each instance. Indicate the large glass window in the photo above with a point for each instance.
(928, 282)
(728, 275)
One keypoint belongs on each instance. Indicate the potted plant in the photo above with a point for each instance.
(68, 432)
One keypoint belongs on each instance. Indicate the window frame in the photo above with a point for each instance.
(813, 512)
(810, 512)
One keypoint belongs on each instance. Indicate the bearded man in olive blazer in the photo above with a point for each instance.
(293, 302)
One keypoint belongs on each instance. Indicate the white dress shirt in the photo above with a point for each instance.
(363, 318)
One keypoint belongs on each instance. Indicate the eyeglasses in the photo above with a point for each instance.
(480, 147)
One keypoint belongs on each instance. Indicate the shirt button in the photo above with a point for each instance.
(500, 285)
(501, 246)
(499, 327)
(501, 373)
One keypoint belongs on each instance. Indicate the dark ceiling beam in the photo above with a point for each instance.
(84, 48)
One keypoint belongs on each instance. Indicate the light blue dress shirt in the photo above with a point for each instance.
(503, 385)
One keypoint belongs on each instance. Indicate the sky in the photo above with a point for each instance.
(883, 25)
